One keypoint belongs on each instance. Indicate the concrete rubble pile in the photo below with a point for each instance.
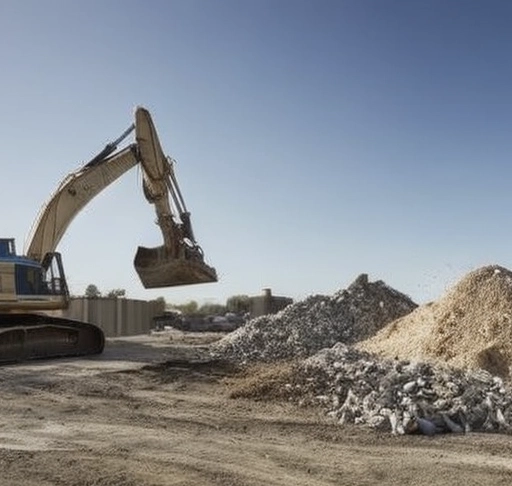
(303, 328)
(356, 387)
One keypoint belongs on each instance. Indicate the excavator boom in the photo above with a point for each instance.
(72, 195)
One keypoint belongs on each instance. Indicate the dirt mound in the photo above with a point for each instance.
(262, 381)
(303, 328)
(470, 327)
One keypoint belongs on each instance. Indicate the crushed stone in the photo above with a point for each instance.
(319, 321)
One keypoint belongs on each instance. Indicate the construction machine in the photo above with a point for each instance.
(34, 284)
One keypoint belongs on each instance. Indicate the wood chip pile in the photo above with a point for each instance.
(303, 328)
(470, 327)
(357, 387)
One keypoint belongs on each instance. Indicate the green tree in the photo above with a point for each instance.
(92, 292)
(161, 300)
(116, 293)
(212, 310)
(161, 303)
(239, 304)
(188, 309)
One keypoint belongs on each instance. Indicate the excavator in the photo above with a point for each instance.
(33, 285)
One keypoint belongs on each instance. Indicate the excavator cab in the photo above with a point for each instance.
(25, 283)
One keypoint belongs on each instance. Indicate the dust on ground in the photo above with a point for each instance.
(154, 410)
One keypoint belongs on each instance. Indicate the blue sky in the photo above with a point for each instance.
(315, 140)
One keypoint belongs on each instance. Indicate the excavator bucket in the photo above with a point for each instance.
(156, 268)
(37, 336)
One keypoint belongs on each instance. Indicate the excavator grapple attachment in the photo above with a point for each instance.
(37, 336)
(157, 268)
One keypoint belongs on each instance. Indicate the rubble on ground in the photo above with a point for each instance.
(357, 387)
(469, 327)
(319, 321)
(381, 360)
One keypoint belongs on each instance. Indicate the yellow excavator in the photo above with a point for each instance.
(35, 283)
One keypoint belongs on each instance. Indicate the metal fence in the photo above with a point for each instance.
(116, 316)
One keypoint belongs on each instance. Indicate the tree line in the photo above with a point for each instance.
(236, 304)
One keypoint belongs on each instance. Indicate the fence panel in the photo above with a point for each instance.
(116, 317)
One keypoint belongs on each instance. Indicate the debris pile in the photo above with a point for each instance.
(356, 387)
(303, 328)
(470, 327)
(382, 361)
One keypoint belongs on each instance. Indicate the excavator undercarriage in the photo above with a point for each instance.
(38, 336)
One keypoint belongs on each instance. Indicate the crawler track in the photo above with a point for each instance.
(37, 336)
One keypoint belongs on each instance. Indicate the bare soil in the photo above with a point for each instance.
(154, 411)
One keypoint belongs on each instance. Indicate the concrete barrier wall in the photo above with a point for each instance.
(116, 317)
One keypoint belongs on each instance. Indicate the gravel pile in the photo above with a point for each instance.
(357, 387)
(303, 328)
(470, 327)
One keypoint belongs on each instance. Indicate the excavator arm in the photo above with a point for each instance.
(179, 261)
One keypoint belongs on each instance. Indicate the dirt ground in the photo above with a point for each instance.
(150, 411)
